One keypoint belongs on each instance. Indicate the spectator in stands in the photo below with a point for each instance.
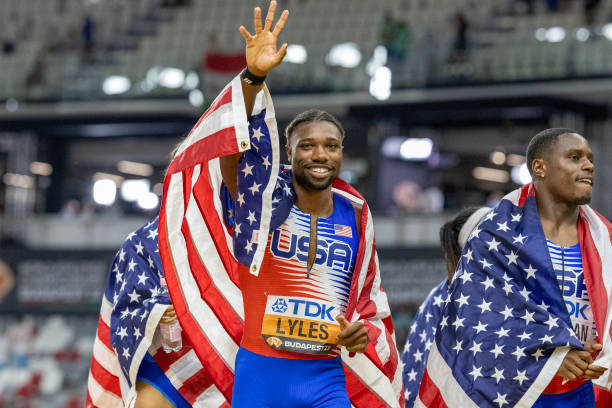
(220, 65)
(461, 38)
(387, 28)
(36, 73)
(553, 5)
(9, 38)
(530, 6)
(395, 37)
(590, 6)
(87, 36)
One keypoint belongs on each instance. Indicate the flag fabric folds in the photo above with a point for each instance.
(200, 252)
(420, 339)
(132, 306)
(505, 328)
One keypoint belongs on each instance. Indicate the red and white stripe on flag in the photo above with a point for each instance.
(103, 384)
(106, 387)
(201, 271)
(595, 237)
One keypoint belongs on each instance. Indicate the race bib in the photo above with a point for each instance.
(301, 325)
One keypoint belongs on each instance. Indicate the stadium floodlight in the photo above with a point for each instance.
(196, 98)
(515, 159)
(41, 168)
(104, 192)
(606, 30)
(18, 180)
(379, 59)
(171, 78)
(540, 34)
(296, 54)
(148, 201)
(135, 168)
(380, 84)
(132, 190)
(498, 157)
(555, 34)
(116, 178)
(416, 149)
(345, 55)
(520, 174)
(489, 174)
(116, 84)
(12, 105)
(582, 34)
(191, 80)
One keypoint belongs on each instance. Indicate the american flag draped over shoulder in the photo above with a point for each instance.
(420, 339)
(132, 306)
(505, 329)
(200, 252)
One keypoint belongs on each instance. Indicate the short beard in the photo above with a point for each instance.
(303, 181)
(582, 200)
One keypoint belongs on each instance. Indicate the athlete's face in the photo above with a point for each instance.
(315, 154)
(567, 170)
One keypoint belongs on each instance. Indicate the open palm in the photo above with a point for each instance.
(261, 52)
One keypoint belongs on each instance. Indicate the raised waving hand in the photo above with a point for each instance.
(261, 48)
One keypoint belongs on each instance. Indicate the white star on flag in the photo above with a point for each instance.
(240, 198)
(493, 244)
(254, 188)
(257, 134)
(139, 248)
(499, 375)
(480, 327)
(503, 226)
(152, 234)
(266, 163)
(497, 350)
(530, 271)
(247, 170)
(476, 372)
(134, 296)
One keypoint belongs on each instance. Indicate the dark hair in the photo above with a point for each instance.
(312, 115)
(540, 143)
(449, 237)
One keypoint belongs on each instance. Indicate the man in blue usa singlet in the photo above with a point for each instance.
(561, 163)
(294, 308)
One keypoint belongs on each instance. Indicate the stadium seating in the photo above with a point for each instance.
(133, 37)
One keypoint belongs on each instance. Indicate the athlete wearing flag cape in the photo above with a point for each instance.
(527, 319)
(283, 304)
(453, 235)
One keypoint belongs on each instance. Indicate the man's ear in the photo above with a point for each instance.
(538, 168)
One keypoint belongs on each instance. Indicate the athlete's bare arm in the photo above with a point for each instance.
(262, 56)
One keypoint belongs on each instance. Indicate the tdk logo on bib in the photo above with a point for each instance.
(309, 308)
(299, 324)
(280, 306)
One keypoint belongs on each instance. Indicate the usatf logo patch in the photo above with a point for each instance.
(301, 325)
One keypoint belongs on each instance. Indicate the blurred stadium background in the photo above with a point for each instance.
(439, 98)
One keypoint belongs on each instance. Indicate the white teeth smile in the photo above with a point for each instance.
(589, 182)
(318, 170)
